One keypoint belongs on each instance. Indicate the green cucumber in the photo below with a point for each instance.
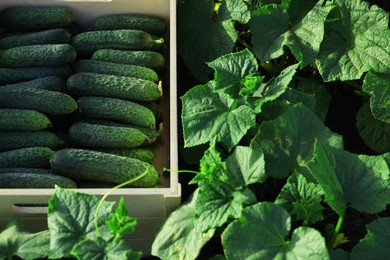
(88, 42)
(34, 181)
(26, 157)
(152, 106)
(36, 18)
(52, 83)
(129, 88)
(151, 134)
(102, 136)
(38, 55)
(25, 170)
(145, 22)
(143, 154)
(99, 166)
(22, 119)
(149, 59)
(42, 100)
(51, 36)
(117, 110)
(105, 67)
(10, 140)
(15, 75)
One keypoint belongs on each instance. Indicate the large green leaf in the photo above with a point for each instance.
(178, 238)
(378, 86)
(24, 245)
(321, 94)
(217, 202)
(302, 199)
(239, 10)
(212, 168)
(71, 219)
(375, 133)
(261, 233)
(274, 88)
(246, 165)
(202, 37)
(357, 40)
(348, 179)
(231, 69)
(291, 136)
(272, 29)
(98, 248)
(207, 115)
(376, 244)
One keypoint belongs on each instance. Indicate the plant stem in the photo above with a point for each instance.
(179, 171)
(336, 231)
(108, 193)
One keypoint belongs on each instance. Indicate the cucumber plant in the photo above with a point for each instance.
(80, 226)
(277, 177)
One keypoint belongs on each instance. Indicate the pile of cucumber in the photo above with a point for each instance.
(79, 107)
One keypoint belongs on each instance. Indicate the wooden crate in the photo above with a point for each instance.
(150, 206)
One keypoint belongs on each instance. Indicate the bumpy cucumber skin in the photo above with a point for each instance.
(26, 157)
(36, 18)
(151, 134)
(15, 75)
(112, 68)
(99, 166)
(34, 181)
(152, 106)
(88, 42)
(51, 36)
(102, 136)
(149, 59)
(10, 140)
(25, 170)
(22, 119)
(117, 110)
(52, 83)
(38, 55)
(143, 154)
(94, 84)
(41, 100)
(145, 22)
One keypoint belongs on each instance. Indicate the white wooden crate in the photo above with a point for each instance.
(150, 206)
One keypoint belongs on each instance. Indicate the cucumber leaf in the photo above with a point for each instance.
(217, 202)
(24, 245)
(71, 219)
(290, 137)
(356, 41)
(272, 29)
(375, 133)
(378, 86)
(98, 248)
(360, 181)
(231, 69)
(246, 165)
(239, 10)
(178, 239)
(120, 222)
(302, 199)
(207, 115)
(265, 227)
(271, 90)
(202, 36)
(295, 96)
(376, 244)
(321, 94)
(212, 168)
